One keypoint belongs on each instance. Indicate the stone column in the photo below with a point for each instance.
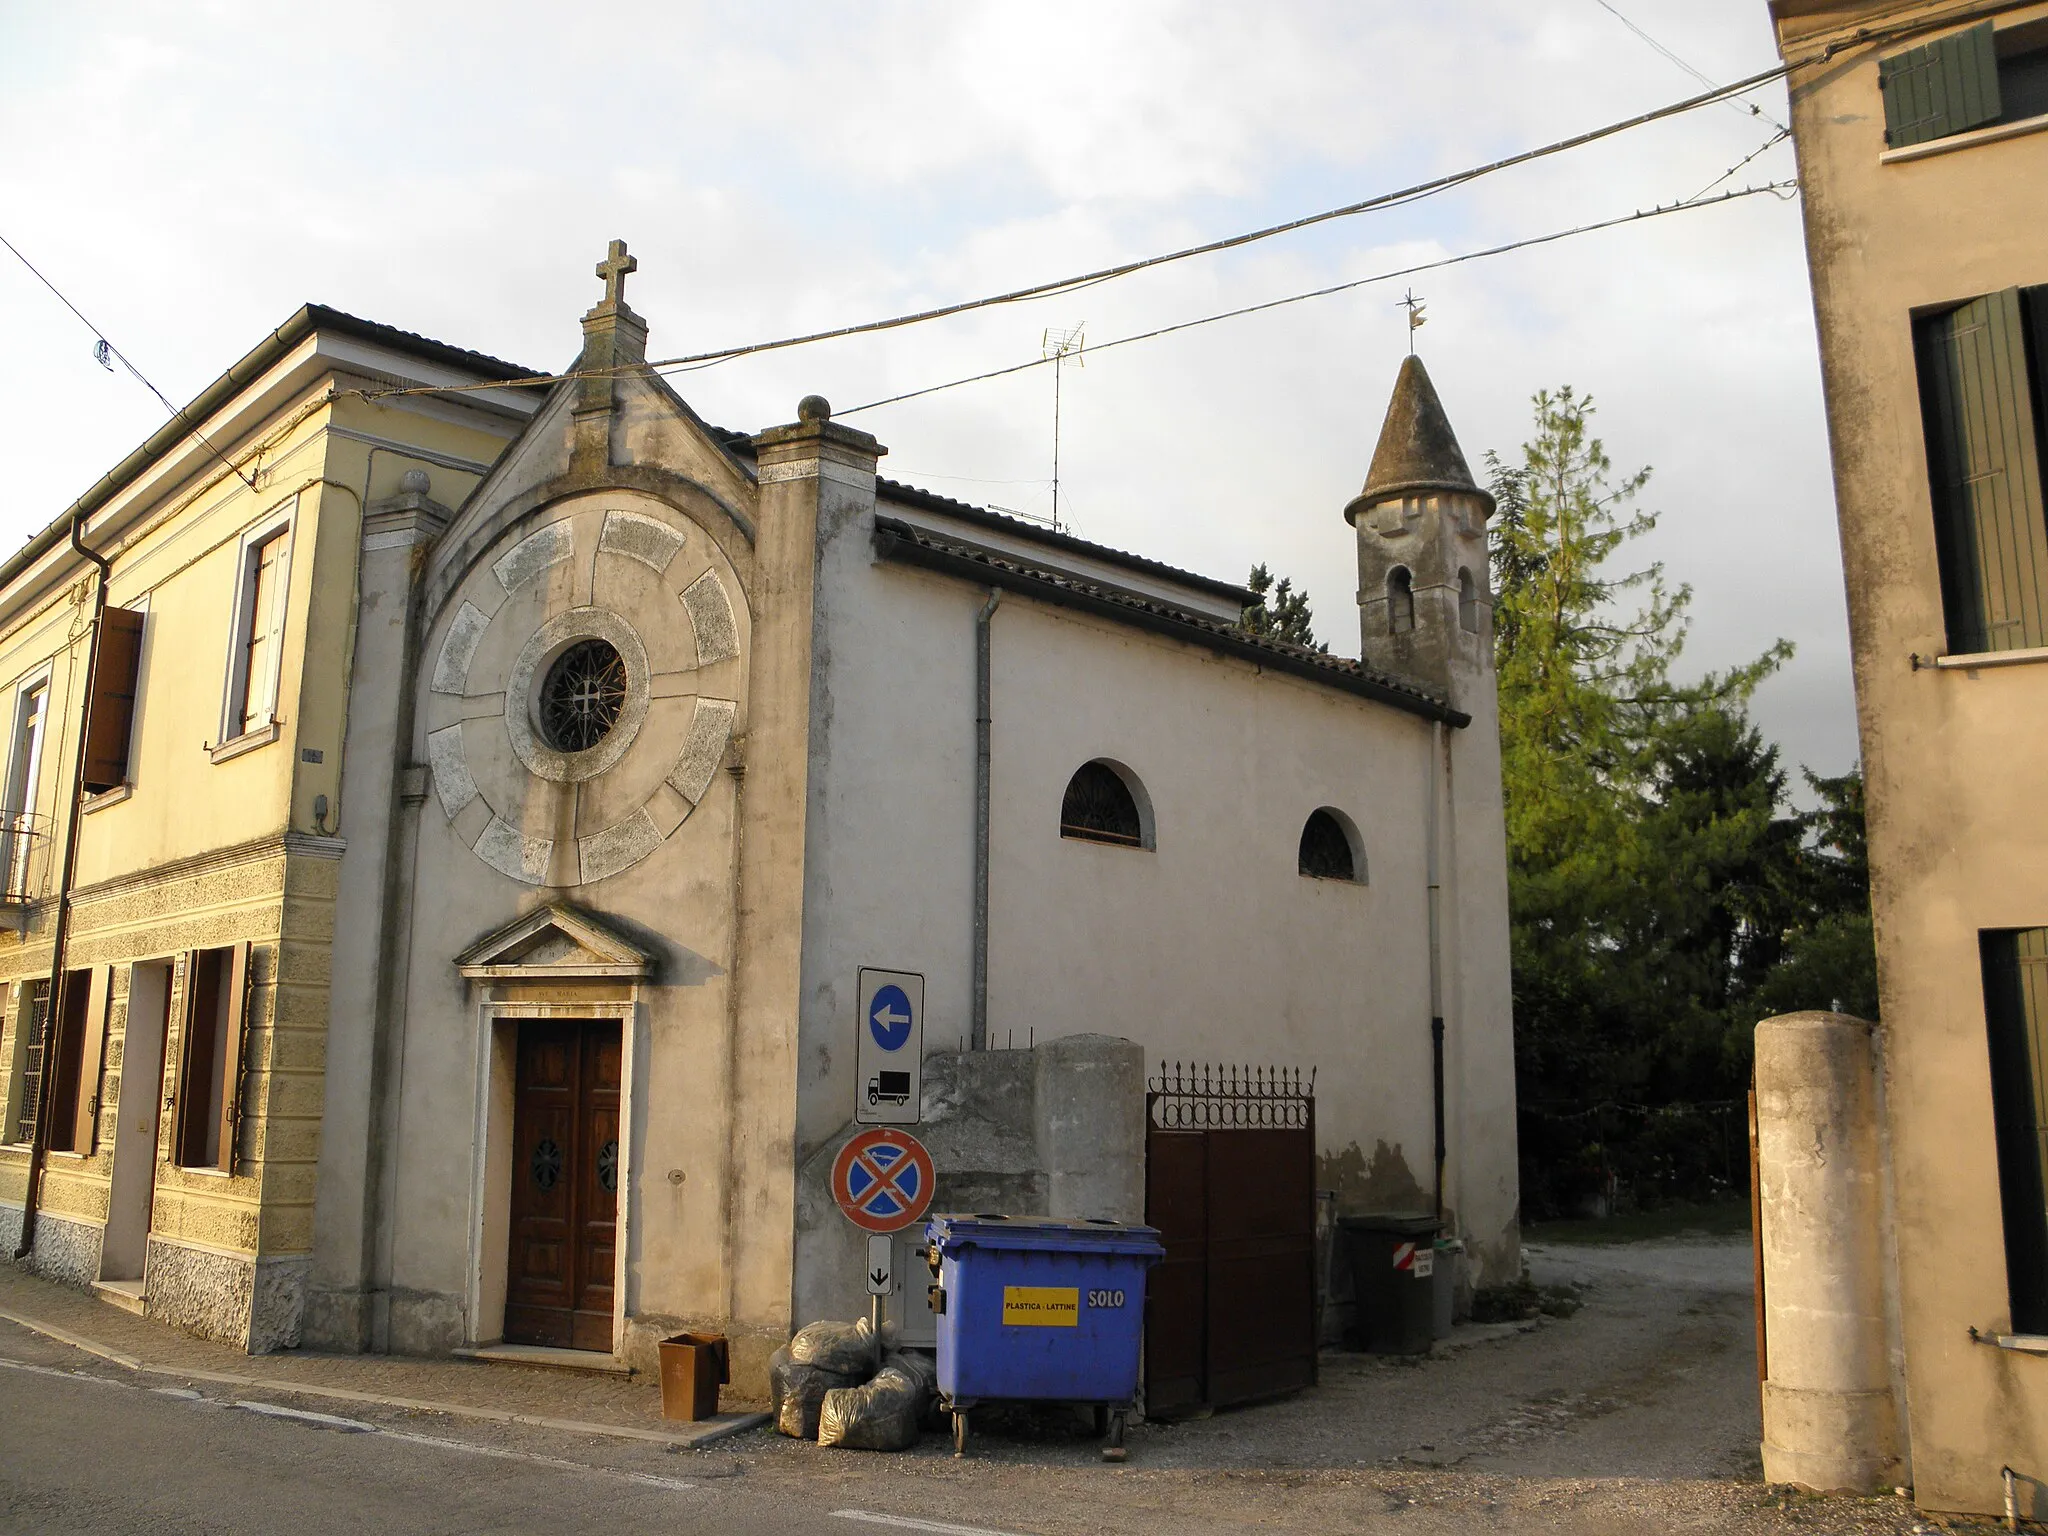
(340, 1303)
(1830, 1418)
(810, 473)
(1091, 1127)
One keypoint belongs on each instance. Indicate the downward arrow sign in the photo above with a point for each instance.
(880, 1277)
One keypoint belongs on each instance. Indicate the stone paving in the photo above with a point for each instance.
(590, 1397)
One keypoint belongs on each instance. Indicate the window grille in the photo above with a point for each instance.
(1326, 852)
(31, 1023)
(581, 699)
(1099, 808)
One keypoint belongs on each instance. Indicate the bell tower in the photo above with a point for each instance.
(1425, 607)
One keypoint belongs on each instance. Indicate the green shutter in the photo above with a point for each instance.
(2016, 1009)
(1940, 88)
(1985, 472)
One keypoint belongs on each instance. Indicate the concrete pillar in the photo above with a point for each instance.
(1830, 1417)
(346, 1303)
(1091, 1127)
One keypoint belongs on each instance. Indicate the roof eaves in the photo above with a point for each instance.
(265, 355)
(898, 540)
(915, 496)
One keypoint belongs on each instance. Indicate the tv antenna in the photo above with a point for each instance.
(1060, 347)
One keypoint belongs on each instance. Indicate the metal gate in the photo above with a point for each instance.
(1230, 1312)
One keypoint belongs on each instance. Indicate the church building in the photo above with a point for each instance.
(448, 811)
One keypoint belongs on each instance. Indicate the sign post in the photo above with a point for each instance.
(889, 1048)
(882, 1180)
(881, 1263)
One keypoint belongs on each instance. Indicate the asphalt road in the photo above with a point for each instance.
(86, 1453)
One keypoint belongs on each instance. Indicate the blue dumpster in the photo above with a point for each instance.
(1032, 1309)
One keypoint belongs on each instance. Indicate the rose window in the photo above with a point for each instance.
(582, 695)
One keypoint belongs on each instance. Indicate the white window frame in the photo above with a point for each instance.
(283, 519)
(29, 773)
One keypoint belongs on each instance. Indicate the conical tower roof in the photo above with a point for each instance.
(1418, 452)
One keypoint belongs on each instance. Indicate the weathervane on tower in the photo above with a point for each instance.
(1416, 319)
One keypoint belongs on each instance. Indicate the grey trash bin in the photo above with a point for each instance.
(1393, 1267)
(1450, 1255)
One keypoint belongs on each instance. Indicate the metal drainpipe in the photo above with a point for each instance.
(1436, 977)
(978, 1035)
(39, 1146)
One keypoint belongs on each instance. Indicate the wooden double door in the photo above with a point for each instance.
(565, 1185)
(1230, 1312)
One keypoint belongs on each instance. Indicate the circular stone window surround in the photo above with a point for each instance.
(522, 695)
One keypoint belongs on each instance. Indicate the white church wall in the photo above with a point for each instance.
(1483, 1178)
(1211, 946)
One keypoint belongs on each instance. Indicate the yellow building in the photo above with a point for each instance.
(1919, 1349)
(181, 1089)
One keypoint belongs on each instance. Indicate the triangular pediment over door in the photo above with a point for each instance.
(555, 943)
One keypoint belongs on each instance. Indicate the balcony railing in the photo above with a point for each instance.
(24, 862)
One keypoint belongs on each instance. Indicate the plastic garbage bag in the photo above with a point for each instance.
(881, 1416)
(797, 1393)
(921, 1365)
(848, 1348)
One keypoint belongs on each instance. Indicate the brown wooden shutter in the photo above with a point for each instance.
(110, 716)
(91, 1059)
(1940, 88)
(236, 1024)
(1984, 467)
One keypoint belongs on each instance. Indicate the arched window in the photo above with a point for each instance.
(1400, 601)
(1330, 848)
(1103, 805)
(1468, 602)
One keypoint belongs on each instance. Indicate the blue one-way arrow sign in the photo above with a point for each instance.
(888, 1047)
(889, 1017)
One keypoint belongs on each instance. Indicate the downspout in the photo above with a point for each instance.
(978, 1036)
(1436, 969)
(39, 1147)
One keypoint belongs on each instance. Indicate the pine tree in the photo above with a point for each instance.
(1647, 863)
(1286, 617)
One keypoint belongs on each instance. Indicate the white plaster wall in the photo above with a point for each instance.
(1212, 947)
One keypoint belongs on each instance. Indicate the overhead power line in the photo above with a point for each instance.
(104, 349)
(1065, 285)
(1777, 188)
(1748, 108)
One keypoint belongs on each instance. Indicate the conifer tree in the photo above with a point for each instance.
(1285, 616)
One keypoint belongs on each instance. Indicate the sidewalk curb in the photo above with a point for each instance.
(62, 1336)
(709, 1433)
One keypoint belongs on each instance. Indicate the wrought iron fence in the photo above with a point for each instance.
(1200, 1096)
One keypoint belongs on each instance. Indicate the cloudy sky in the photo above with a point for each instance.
(190, 175)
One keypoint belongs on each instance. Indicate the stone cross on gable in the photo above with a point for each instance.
(613, 270)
